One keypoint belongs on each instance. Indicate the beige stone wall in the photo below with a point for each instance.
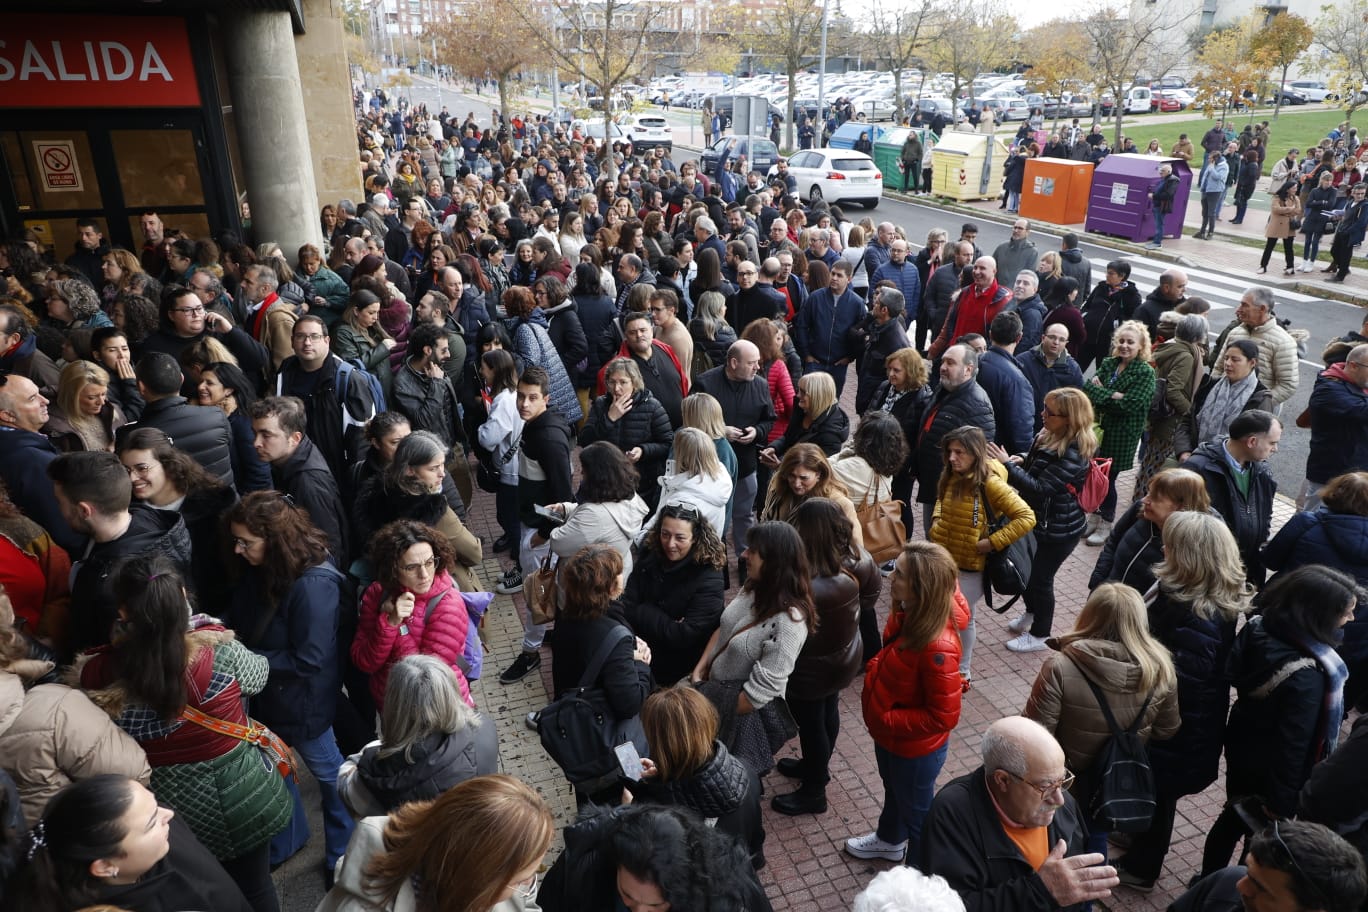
(326, 84)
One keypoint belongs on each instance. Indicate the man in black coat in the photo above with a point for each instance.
(749, 414)
(1049, 366)
(978, 822)
(201, 432)
(958, 401)
(884, 334)
(1241, 487)
(298, 468)
(752, 301)
(938, 297)
(1171, 291)
(1072, 261)
(95, 493)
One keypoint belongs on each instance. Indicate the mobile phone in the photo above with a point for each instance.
(629, 760)
(550, 516)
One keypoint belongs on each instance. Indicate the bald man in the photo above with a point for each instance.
(749, 414)
(1009, 836)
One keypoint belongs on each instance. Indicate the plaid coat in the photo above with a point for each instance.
(1123, 420)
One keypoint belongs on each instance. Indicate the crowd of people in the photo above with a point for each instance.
(237, 488)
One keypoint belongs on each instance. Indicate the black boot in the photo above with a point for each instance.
(807, 800)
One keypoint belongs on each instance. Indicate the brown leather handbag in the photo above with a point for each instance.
(882, 524)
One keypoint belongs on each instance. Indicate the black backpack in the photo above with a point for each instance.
(1121, 797)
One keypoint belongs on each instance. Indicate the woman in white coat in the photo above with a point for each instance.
(695, 477)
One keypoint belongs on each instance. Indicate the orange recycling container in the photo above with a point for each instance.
(1056, 190)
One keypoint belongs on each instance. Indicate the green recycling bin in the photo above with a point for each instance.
(888, 152)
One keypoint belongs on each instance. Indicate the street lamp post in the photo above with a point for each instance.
(821, 68)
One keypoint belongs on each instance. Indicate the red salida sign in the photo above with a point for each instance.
(96, 62)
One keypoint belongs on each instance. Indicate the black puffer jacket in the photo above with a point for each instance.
(428, 768)
(1043, 479)
(1270, 741)
(717, 346)
(201, 431)
(675, 608)
(724, 788)
(1104, 309)
(1249, 516)
(202, 512)
(645, 425)
(1187, 763)
(828, 431)
(567, 334)
(1132, 549)
(967, 404)
(833, 655)
(909, 410)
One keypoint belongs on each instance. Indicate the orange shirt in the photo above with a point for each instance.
(1033, 843)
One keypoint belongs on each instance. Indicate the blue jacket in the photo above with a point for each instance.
(1012, 397)
(24, 458)
(1213, 177)
(822, 328)
(907, 280)
(300, 645)
(1354, 224)
(1045, 377)
(1339, 427)
(1338, 540)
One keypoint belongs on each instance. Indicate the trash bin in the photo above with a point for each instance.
(967, 166)
(1118, 203)
(848, 132)
(888, 153)
(1056, 190)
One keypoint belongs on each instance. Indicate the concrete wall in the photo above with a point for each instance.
(325, 81)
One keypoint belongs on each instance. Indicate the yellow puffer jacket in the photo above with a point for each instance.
(953, 521)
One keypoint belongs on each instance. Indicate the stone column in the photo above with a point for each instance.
(272, 129)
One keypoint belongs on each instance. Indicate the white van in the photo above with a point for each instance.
(1138, 99)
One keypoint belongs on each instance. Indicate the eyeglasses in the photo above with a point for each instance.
(141, 470)
(189, 310)
(242, 544)
(308, 337)
(681, 511)
(1311, 884)
(429, 564)
(1045, 790)
(527, 889)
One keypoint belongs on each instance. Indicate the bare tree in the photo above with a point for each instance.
(899, 34)
(1343, 31)
(787, 33)
(973, 39)
(1120, 47)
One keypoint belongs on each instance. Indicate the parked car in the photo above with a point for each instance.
(929, 105)
(1313, 90)
(594, 127)
(836, 175)
(1289, 96)
(647, 131)
(761, 154)
(1165, 102)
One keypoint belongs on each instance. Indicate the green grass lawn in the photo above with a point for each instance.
(1299, 126)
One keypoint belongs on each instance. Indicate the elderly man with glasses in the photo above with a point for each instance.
(1009, 835)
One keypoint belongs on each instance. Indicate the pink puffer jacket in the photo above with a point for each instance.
(438, 627)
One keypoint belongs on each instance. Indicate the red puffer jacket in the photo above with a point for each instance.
(440, 632)
(912, 698)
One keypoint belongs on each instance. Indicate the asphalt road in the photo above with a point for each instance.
(1325, 319)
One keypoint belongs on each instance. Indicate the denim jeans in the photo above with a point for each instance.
(743, 510)
(971, 585)
(1158, 226)
(323, 759)
(530, 558)
(909, 785)
(1211, 206)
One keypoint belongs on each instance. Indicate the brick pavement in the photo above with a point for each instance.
(807, 868)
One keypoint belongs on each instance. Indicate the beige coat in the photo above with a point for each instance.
(51, 735)
(1280, 219)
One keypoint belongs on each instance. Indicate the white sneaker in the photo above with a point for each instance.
(1093, 520)
(1307, 266)
(1099, 535)
(1027, 643)
(1022, 623)
(871, 846)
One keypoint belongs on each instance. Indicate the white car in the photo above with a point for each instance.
(1314, 90)
(836, 175)
(647, 131)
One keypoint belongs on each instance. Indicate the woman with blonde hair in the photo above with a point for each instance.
(629, 417)
(709, 329)
(805, 473)
(1109, 656)
(1122, 392)
(1048, 272)
(82, 417)
(817, 418)
(476, 848)
(689, 767)
(1134, 545)
(973, 484)
(699, 479)
(118, 268)
(1199, 594)
(912, 696)
(1048, 477)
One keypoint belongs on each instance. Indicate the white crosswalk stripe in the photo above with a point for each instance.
(1223, 291)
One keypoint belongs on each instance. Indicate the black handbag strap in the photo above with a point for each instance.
(1106, 708)
(591, 671)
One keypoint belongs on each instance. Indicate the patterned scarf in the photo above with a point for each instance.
(1332, 704)
(1223, 403)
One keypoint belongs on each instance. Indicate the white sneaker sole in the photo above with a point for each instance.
(872, 854)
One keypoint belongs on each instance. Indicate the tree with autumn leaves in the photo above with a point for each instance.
(477, 46)
(1058, 54)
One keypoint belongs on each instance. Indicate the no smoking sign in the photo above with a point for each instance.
(57, 164)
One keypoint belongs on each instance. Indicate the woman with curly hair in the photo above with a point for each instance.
(674, 595)
(413, 607)
(805, 473)
(285, 607)
(477, 847)
(138, 317)
(82, 417)
(71, 304)
(867, 463)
